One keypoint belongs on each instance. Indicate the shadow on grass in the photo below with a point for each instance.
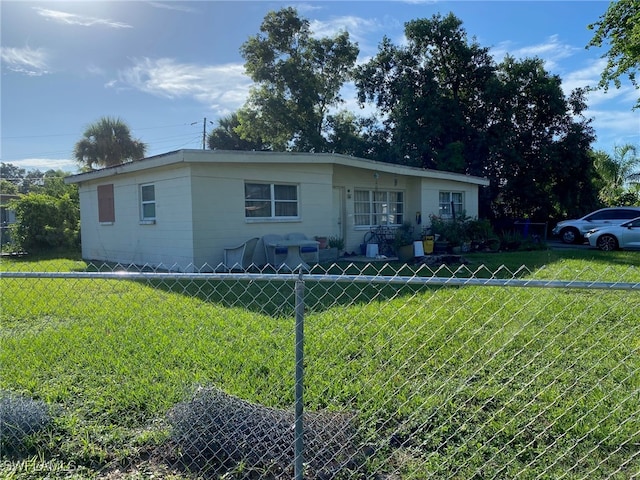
(277, 298)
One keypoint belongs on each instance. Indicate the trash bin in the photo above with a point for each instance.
(427, 244)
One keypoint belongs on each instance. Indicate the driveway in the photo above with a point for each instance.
(556, 244)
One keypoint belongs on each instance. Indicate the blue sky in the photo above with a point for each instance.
(163, 67)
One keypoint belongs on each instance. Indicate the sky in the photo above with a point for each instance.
(163, 67)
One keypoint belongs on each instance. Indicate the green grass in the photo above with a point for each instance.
(447, 382)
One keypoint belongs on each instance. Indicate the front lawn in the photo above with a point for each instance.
(445, 382)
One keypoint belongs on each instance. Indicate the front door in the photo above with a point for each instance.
(337, 213)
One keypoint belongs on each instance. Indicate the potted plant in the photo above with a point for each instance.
(403, 242)
(439, 229)
(335, 246)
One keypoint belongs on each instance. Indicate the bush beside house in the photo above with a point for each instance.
(44, 222)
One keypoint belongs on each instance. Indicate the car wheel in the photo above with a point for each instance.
(570, 235)
(608, 243)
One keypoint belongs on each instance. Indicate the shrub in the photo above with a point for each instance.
(336, 242)
(461, 229)
(403, 235)
(45, 222)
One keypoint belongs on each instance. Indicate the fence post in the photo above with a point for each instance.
(299, 388)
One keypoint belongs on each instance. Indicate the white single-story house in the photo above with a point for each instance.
(181, 209)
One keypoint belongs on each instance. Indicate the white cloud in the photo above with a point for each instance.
(25, 60)
(615, 127)
(307, 7)
(44, 164)
(360, 30)
(221, 87)
(74, 19)
(553, 51)
(357, 27)
(95, 70)
(178, 6)
(583, 77)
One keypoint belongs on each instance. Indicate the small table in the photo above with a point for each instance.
(293, 259)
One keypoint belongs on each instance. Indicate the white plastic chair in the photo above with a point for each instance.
(240, 257)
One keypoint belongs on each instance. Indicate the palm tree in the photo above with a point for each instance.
(225, 137)
(106, 143)
(617, 173)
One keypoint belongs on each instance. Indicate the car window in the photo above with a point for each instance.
(613, 214)
(627, 214)
(599, 216)
(635, 223)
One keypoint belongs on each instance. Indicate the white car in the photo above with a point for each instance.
(626, 236)
(573, 231)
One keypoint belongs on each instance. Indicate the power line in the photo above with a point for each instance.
(17, 137)
(172, 142)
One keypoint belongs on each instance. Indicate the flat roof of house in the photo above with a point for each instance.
(237, 156)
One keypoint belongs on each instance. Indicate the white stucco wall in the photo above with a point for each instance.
(219, 215)
(127, 240)
(420, 194)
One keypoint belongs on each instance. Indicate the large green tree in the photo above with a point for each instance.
(19, 180)
(431, 93)
(538, 144)
(106, 143)
(297, 82)
(619, 27)
(449, 106)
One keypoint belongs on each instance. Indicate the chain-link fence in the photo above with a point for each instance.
(351, 371)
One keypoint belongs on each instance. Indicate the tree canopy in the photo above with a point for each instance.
(441, 102)
(47, 209)
(447, 105)
(106, 143)
(297, 80)
(226, 137)
(430, 93)
(17, 180)
(619, 26)
(619, 175)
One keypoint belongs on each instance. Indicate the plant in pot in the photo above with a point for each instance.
(335, 246)
(441, 231)
(403, 242)
(336, 242)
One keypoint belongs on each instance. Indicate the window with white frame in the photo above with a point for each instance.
(147, 202)
(378, 207)
(451, 203)
(270, 200)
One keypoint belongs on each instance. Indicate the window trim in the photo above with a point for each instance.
(143, 219)
(273, 201)
(456, 211)
(399, 216)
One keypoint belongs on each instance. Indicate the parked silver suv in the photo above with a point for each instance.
(572, 231)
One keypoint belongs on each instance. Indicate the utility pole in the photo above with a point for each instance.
(204, 131)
